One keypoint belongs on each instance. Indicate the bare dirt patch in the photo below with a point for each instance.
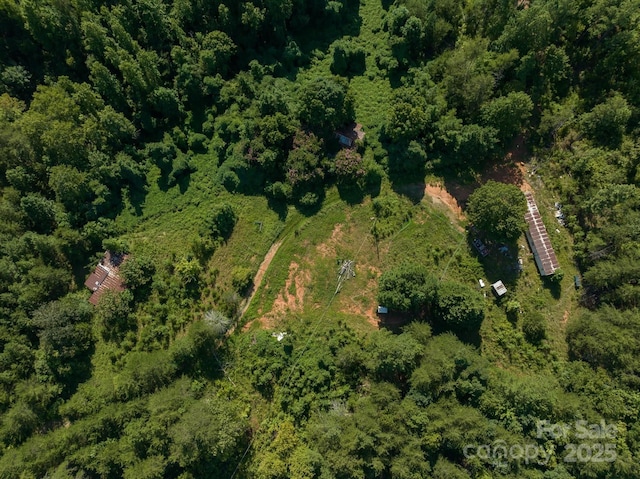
(364, 302)
(291, 297)
(525, 186)
(328, 248)
(510, 169)
(440, 195)
(371, 313)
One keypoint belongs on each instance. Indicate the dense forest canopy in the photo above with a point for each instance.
(116, 115)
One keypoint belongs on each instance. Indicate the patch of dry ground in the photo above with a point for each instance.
(364, 303)
(290, 299)
(440, 195)
(328, 248)
(510, 169)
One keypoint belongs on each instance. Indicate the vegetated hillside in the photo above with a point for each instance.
(192, 135)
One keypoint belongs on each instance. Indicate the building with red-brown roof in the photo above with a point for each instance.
(106, 276)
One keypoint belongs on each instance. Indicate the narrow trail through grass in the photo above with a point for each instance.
(257, 280)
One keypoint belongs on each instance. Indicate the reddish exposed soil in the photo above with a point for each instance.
(439, 195)
(328, 248)
(510, 169)
(286, 301)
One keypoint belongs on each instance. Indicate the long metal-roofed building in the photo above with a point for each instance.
(539, 240)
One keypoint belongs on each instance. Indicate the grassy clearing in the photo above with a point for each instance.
(299, 286)
(170, 218)
(301, 280)
(503, 341)
(373, 90)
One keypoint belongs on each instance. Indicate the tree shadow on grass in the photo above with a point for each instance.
(278, 206)
(351, 194)
(136, 199)
(354, 194)
(349, 24)
(386, 4)
(394, 321)
(471, 337)
(298, 49)
(311, 209)
(413, 191)
(554, 287)
(501, 261)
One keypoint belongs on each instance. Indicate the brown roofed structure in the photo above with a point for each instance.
(539, 240)
(96, 278)
(106, 276)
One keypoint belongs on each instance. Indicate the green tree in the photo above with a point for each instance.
(606, 338)
(406, 288)
(17, 424)
(305, 167)
(469, 74)
(348, 59)
(392, 357)
(534, 327)
(70, 187)
(498, 210)
(208, 437)
(241, 279)
(113, 314)
(607, 122)
(221, 221)
(348, 166)
(64, 330)
(137, 272)
(509, 114)
(215, 53)
(39, 211)
(459, 307)
(188, 270)
(326, 104)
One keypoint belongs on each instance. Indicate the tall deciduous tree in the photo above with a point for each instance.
(607, 122)
(508, 114)
(459, 307)
(406, 288)
(498, 210)
(326, 104)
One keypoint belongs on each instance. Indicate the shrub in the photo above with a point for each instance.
(557, 277)
(217, 322)
(137, 272)
(512, 308)
(221, 221)
(241, 279)
(406, 288)
(534, 327)
(115, 245)
(459, 307)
